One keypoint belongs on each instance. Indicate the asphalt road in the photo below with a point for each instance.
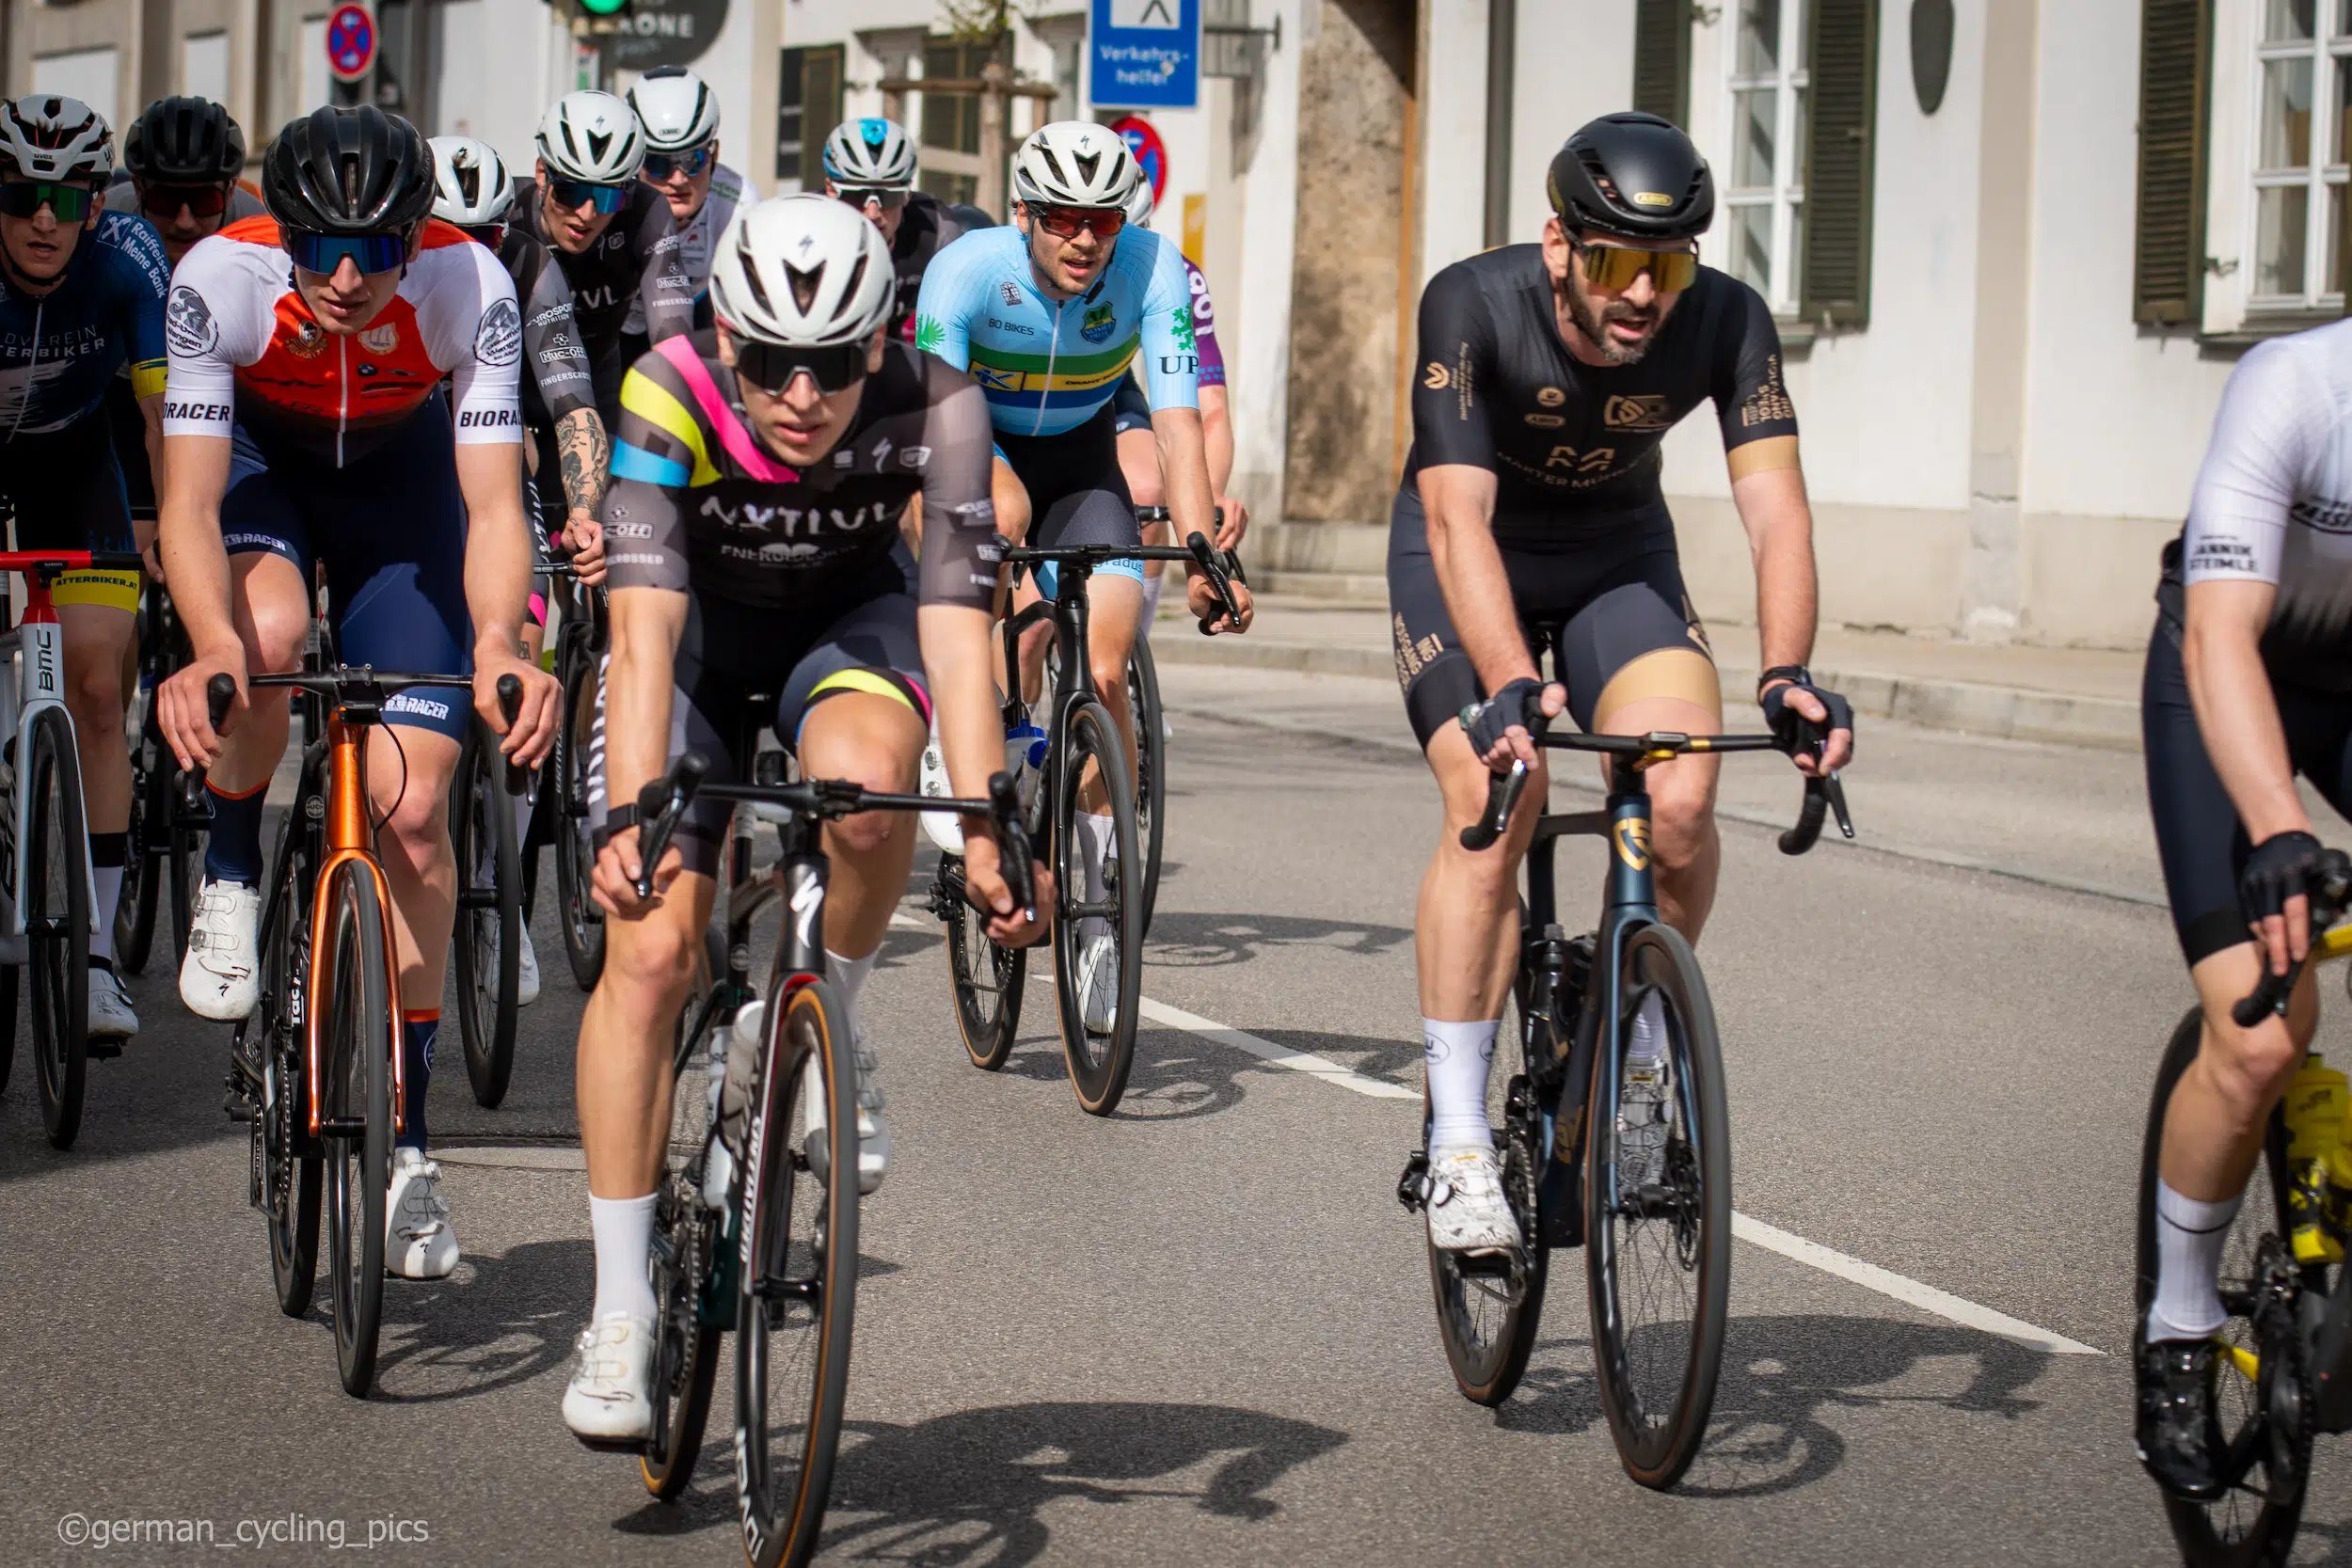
(1201, 1332)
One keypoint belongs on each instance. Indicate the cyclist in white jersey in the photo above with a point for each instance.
(2249, 683)
(680, 115)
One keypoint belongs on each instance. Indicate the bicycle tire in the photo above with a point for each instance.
(2247, 1525)
(1488, 1309)
(1098, 1074)
(488, 997)
(56, 924)
(987, 979)
(290, 1165)
(800, 1220)
(186, 856)
(1660, 1422)
(1143, 700)
(357, 1020)
(149, 840)
(686, 1349)
(574, 854)
(8, 973)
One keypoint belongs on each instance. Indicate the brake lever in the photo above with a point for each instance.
(661, 806)
(1206, 555)
(220, 693)
(511, 705)
(1013, 841)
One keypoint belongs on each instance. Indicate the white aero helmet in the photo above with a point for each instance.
(47, 137)
(676, 107)
(470, 183)
(1074, 163)
(871, 153)
(1140, 204)
(592, 136)
(805, 271)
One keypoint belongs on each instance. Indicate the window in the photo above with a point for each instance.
(1661, 58)
(1764, 197)
(2302, 66)
(808, 107)
(1066, 35)
(949, 135)
(2175, 72)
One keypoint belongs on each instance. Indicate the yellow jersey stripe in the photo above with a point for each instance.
(654, 405)
(146, 379)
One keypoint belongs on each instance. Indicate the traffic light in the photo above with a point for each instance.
(604, 7)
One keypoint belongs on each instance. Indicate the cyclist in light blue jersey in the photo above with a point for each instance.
(1047, 316)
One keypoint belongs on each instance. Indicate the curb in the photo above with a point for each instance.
(1970, 707)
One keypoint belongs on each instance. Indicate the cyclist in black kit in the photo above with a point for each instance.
(610, 231)
(869, 163)
(1546, 378)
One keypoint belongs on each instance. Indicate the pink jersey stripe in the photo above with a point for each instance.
(732, 434)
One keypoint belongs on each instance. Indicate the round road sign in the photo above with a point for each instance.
(1144, 142)
(350, 42)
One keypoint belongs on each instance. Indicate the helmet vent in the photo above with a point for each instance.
(804, 284)
(598, 144)
(751, 277)
(1088, 165)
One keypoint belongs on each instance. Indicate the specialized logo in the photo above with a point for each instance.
(1637, 411)
(381, 339)
(1437, 378)
(188, 325)
(500, 339)
(1632, 841)
(1100, 323)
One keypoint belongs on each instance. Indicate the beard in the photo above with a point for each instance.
(1594, 325)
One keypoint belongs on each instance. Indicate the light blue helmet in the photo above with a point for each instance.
(871, 153)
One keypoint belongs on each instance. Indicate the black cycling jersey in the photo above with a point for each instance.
(637, 257)
(924, 229)
(558, 382)
(1574, 446)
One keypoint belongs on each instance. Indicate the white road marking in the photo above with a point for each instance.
(1941, 1303)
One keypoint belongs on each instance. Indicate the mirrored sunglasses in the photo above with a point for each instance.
(21, 198)
(573, 195)
(1615, 267)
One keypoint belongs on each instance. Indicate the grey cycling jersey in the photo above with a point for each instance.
(728, 191)
(558, 379)
(635, 261)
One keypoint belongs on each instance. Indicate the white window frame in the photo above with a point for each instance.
(1786, 195)
(2323, 52)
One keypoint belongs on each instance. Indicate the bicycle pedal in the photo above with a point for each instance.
(103, 1051)
(1412, 1187)
(238, 1108)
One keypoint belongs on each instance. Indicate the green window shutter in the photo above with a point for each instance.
(1843, 62)
(1661, 58)
(2175, 76)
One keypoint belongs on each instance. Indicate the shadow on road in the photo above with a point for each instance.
(1782, 1378)
(1181, 940)
(464, 1337)
(968, 1490)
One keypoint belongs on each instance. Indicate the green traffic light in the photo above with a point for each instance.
(603, 7)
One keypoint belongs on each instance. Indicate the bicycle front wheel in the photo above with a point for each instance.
(1098, 940)
(1143, 700)
(357, 1099)
(57, 924)
(575, 851)
(489, 918)
(796, 1298)
(2252, 1524)
(1657, 1217)
(985, 979)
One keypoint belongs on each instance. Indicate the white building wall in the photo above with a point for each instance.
(1568, 71)
(1260, 370)
(1453, 134)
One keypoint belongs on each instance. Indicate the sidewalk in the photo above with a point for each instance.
(2078, 696)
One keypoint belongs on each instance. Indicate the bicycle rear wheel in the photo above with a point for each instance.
(796, 1297)
(985, 979)
(1099, 1062)
(287, 1161)
(1143, 700)
(489, 919)
(1657, 1220)
(56, 924)
(357, 1054)
(2253, 1523)
(574, 852)
(1488, 1307)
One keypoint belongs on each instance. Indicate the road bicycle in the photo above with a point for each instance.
(1083, 748)
(487, 938)
(165, 841)
(315, 1069)
(48, 906)
(2284, 1375)
(775, 1258)
(1630, 1161)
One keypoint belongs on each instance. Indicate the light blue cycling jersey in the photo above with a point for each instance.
(1047, 367)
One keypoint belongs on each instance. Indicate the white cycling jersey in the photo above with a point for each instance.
(728, 191)
(2273, 503)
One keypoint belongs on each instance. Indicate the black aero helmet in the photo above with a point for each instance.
(184, 141)
(1633, 174)
(348, 171)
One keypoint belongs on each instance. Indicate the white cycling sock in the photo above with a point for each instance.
(848, 978)
(109, 890)
(623, 1231)
(1151, 597)
(2189, 1237)
(1457, 1057)
(1646, 1041)
(1096, 833)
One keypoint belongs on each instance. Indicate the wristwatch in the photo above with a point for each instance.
(1796, 673)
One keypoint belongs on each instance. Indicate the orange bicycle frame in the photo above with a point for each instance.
(349, 837)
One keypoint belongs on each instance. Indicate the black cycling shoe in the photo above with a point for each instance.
(2178, 1435)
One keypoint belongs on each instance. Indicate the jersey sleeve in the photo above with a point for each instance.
(1456, 342)
(146, 282)
(959, 542)
(473, 330)
(659, 441)
(645, 533)
(665, 290)
(559, 361)
(1751, 400)
(1211, 371)
(2275, 415)
(941, 325)
(217, 317)
(1171, 347)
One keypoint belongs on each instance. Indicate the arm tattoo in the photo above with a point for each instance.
(587, 455)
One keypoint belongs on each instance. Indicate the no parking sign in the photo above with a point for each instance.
(1144, 142)
(350, 42)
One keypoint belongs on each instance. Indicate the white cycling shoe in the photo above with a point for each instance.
(1098, 982)
(111, 1016)
(526, 971)
(873, 1133)
(610, 1396)
(943, 827)
(418, 1240)
(218, 978)
(1467, 1209)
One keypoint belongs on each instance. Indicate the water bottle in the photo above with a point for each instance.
(2316, 1160)
(1025, 754)
(718, 1159)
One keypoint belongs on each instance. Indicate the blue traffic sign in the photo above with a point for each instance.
(1146, 54)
